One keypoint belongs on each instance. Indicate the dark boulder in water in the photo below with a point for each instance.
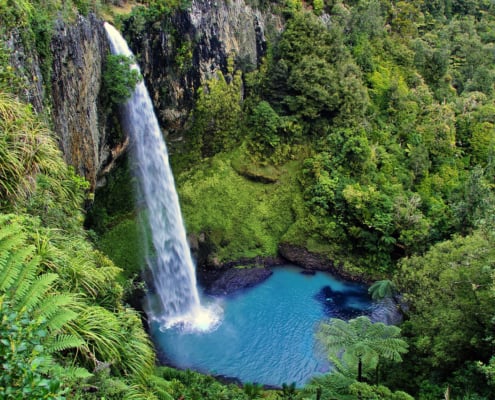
(308, 272)
(337, 304)
(237, 278)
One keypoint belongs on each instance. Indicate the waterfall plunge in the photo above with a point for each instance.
(175, 295)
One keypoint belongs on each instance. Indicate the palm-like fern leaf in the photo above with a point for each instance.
(382, 289)
(63, 342)
(361, 342)
(57, 310)
(28, 295)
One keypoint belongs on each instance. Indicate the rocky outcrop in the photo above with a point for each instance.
(183, 50)
(24, 60)
(79, 52)
(300, 256)
(234, 279)
(72, 97)
(228, 28)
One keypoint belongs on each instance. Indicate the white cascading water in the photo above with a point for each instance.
(175, 295)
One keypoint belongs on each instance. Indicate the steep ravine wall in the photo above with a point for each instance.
(72, 97)
(80, 122)
(180, 52)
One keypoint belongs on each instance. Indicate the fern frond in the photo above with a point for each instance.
(60, 320)
(63, 342)
(28, 269)
(71, 373)
(8, 271)
(11, 236)
(77, 373)
(13, 254)
(53, 305)
(28, 295)
(47, 363)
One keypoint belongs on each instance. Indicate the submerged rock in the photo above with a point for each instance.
(343, 304)
(237, 278)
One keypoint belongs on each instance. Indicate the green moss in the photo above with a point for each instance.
(113, 202)
(241, 218)
(124, 246)
(113, 218)
(256, 171)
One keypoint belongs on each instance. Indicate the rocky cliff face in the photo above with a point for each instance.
(180, 52)
(24, 60)
(79, 52)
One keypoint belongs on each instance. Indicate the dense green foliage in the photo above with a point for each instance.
(367, 135)
(119, 79)
(358, 346)
(247, 218)
(65, 331)
(450, 297)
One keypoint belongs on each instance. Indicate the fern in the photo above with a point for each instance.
(56, 310)
(27, 273)
(71, 373)
(12, 256)
(11, 235)
(29, 294)
(61, 319)
(63, 342)
(360, 344)
(8, 272)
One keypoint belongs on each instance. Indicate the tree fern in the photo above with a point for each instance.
(360, 343)
(382, 289)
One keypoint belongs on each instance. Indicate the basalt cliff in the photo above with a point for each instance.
(181, 51)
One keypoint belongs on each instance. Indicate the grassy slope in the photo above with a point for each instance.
(241, 218)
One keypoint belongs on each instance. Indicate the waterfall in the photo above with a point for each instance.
(175, 299)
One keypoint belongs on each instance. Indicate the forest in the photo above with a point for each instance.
(366, 135)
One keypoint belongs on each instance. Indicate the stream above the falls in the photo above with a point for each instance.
(266, 334)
